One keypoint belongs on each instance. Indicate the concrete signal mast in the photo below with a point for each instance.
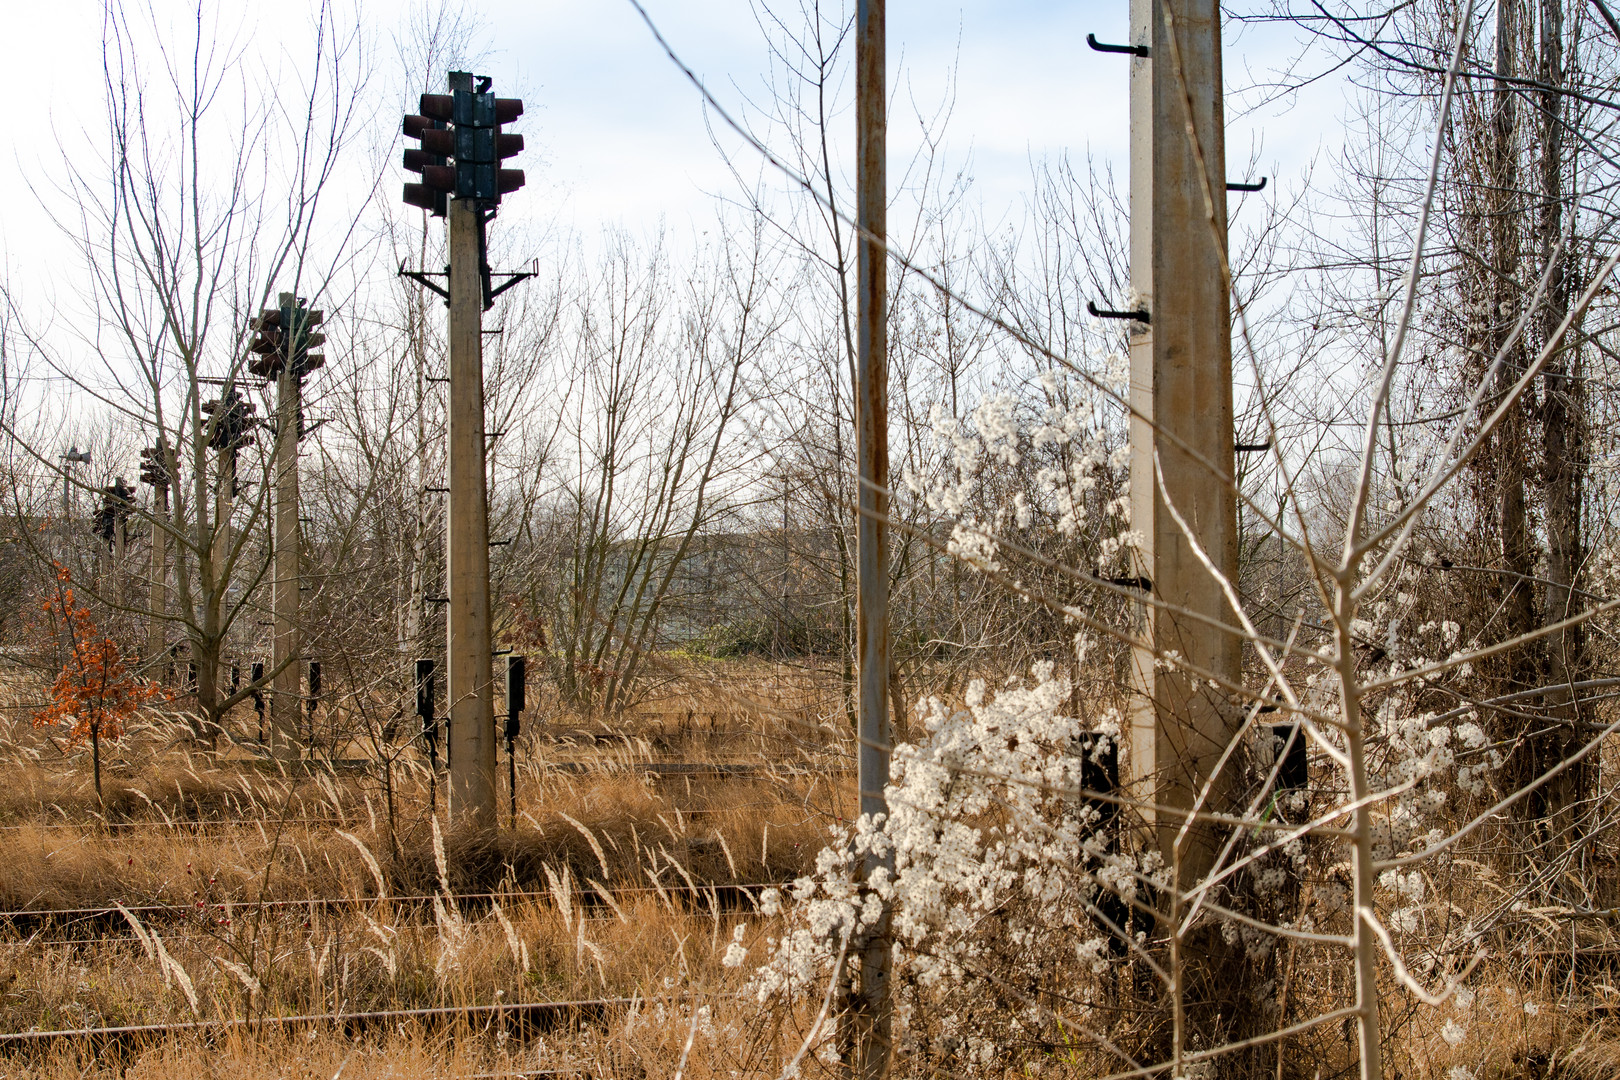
(1181, 390)
(230, 426)
(156, 474)
(112, 520)
(283, 338)
(462, 148)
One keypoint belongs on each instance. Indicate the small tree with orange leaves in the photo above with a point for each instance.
(94, 692)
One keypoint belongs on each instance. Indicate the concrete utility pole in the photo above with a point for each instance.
(156, 474)
(1181, 378)
(284, 336)
(121, 522)
(71, 458)
(869, 1015)
(286, 704)
(229, 429)
(158, 600)
(465, 125)
(224, 504)
(471, 686)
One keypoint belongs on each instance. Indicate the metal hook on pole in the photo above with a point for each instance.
(1234, 186)
(1140, 314)
(1134, 50)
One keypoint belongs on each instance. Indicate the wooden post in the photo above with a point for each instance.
(286, 705)
(471, 708)
(869, 1017)
(1181, 379)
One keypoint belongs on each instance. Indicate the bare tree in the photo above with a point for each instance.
(650, 460)
(209, 193)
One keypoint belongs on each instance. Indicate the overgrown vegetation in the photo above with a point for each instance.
(1393, 857)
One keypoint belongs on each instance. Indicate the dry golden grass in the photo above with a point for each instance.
(717, 829)
(183, 827)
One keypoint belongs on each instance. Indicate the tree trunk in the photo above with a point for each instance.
(1508, 458)
(1563, 469)
(95, 761)
(1518, 549)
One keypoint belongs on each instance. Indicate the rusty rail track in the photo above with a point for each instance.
(658, 769)
(731, 896)
(521, 1019)
(195, 826)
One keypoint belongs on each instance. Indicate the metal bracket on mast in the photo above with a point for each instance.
(421, 278)
(486, 214)
(513, 277)
(491, 290)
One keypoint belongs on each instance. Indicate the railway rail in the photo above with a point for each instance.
(199, 825)
(728, 896)
(659, 769)
(520, 1019)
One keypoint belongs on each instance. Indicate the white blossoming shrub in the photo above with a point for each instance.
(1009, 894)
(1049, 466)
(1004, 879)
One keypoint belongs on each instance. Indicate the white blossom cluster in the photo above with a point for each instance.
(1422, 758)
(1067, 464)
(998, 867)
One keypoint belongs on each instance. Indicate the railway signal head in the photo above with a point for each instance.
(462, 146)
(116, 503)
(257, 677)
(432, 160)
(154, 468)
(268, 344)
(507, 145)
(515, 666)
(424, 709)
(301, 336)
(233, 418)
(286, 331)
(481, 146)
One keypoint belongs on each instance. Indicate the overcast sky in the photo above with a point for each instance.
(616, 133)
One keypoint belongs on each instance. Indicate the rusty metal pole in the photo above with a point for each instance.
(471, 706)
(1181, 380)
(286, 704)
(869, 1014)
